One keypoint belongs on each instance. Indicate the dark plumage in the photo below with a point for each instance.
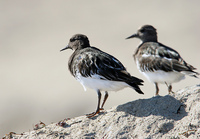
(159, 63)
(98, 70)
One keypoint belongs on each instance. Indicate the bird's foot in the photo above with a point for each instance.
(156, 95)
(171, 92)
(90, 115)
(101, 109)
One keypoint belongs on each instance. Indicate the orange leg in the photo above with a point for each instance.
(98, 109)
(157, 89)
(105, 98)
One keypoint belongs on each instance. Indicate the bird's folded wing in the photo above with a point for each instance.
(156, 56)
(97, 62)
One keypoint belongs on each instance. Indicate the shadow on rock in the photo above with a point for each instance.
(166, 106)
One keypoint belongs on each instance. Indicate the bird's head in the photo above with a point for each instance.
(78, 41)
(145, 33)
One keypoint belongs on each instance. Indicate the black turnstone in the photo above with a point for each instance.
(157, 62)
(98, 70)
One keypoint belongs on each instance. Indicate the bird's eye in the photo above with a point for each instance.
(142, 30)
(72, 40)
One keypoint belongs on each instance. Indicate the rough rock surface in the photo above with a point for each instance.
(174, 116)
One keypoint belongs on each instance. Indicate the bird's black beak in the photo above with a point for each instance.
(67, 47)
(132, 36)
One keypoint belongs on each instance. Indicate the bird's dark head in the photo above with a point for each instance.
(145, 33)
(78, 41)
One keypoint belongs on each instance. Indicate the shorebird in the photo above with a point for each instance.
(98, 70)
(157, 62)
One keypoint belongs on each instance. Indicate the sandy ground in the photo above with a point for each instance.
(35, 83)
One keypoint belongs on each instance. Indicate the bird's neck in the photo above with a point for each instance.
(150, 40)
(81, 47)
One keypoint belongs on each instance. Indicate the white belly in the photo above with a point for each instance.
(96, 83)
(160, 76)
(163, 77)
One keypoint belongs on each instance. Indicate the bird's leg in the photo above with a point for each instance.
(169, 88)
(98, 109)
(157, 89)
(105, 98)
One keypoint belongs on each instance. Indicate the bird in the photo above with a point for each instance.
(158, 62)
(98, 70)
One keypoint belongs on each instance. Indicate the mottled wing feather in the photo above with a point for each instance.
(156, 56)
(94, 61)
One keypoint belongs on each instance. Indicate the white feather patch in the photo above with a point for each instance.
(160, 76)
(96, 82)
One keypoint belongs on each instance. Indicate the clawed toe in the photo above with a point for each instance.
(171, 92)
(101, 109)
(90, 115)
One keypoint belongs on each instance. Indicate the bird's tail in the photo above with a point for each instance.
(191, 73)
(135, 84)
(190, 70)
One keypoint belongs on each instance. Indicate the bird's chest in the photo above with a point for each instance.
(138, 64)
(74, 64)
(81, 66)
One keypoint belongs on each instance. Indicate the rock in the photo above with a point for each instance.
(175, 116)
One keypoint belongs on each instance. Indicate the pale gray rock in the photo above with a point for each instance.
(174, 116)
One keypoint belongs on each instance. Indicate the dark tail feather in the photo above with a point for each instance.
(191, 73)
(197, 74)
(137, 80)
(136, 87)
